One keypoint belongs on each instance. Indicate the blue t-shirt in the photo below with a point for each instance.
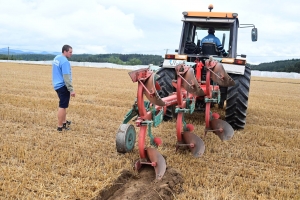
(211, 38)
(214, 39)
(60, 66)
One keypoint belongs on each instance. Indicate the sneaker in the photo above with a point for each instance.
(67, 123)
(62, 128)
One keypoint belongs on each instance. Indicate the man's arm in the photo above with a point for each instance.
(66, 70)
(68, 82)
(69, 85)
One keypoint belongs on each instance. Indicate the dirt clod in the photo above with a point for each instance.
(144, 186)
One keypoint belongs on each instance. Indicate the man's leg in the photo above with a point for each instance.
(65, 116)
(65, 122)
(61, 114)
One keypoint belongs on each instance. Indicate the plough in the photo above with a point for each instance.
(189, 89)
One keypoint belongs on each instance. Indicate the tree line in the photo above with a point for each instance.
(121, 59)
(292, 65)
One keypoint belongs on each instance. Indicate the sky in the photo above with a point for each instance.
(143, 27)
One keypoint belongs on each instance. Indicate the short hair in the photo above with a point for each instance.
(66, 48)
(211, 30)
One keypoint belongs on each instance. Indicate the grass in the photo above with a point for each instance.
(37, 162)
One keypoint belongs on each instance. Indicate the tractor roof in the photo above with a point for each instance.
(210, 14)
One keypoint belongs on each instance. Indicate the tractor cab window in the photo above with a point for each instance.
(222, 34)
(194, 32)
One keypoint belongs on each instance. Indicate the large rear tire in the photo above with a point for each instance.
(237, 99)
(166, 76)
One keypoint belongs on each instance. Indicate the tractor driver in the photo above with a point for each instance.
(212, 38)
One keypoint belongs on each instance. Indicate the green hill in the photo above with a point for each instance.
(121, 59)
(292, 65)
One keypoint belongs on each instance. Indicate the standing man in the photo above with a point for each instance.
(62, 84)
(213, 39)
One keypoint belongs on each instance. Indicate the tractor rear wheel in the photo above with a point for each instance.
(237, 99)
(166, 76)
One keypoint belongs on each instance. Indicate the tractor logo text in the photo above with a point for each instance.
(175, 62)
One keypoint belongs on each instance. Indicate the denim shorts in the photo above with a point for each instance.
(64, 97)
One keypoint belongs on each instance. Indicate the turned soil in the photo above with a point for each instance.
(144, 186)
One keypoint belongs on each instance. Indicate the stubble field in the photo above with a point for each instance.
(37, 162)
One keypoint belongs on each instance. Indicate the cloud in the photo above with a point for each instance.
(44, 25)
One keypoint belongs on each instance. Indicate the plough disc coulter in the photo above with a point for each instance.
(147, 113)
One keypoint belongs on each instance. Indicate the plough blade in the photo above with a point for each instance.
(196, 146)
(221, 77)
(158, 160)
(222, 129)
(194, 87)
(151, 86)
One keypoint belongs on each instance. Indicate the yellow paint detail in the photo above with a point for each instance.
(181, 57)
(227, 60)
(210, 14)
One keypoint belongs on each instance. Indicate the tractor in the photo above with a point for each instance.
(196, 78)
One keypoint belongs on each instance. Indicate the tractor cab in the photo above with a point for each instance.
(196, 26)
